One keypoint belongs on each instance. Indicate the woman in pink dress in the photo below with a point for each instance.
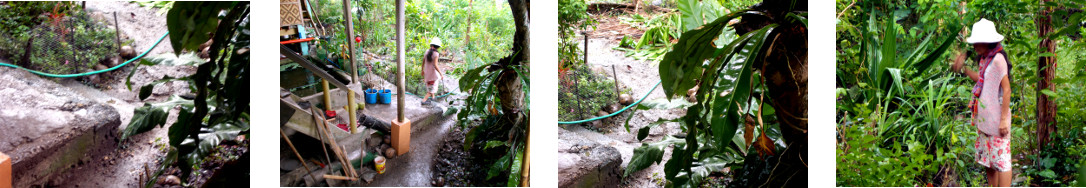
(991, 102)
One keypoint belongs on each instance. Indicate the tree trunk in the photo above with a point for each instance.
(467, 35)
(1046, 108)
(508, 83)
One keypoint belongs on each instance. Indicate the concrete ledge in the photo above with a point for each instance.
(48, 128)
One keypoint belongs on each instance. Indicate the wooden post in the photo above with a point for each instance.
(400, 85)
(617, 91)
(116, 29)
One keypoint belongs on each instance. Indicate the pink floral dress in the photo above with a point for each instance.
(993, 150)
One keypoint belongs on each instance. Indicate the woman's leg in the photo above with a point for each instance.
(992, 178)
(1004, 178)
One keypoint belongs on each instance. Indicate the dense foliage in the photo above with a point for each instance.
(584, 93)
(487, 40)
(726, 71)
(500, 98)
(54, 37)
(572, 19)
(220, 108)
(901, 113)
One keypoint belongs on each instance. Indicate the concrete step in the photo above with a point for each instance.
(48, 128)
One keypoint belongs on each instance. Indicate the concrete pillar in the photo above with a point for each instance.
(401, 136)
(5, 171)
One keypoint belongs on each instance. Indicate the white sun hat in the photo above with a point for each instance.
(436, 41)
(984, 31)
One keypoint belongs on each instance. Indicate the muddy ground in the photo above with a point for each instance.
(124, 166)
(639, 77)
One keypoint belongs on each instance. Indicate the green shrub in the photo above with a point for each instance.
(69, 45)
(588, 92)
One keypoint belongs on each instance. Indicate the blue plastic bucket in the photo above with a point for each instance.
(386, 96)
(371, 96)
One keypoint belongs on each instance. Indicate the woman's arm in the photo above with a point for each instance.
(957, 67)
(1005, 107)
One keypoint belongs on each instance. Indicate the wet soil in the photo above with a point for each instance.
(454, 168)
(227, 165)
(143, 26)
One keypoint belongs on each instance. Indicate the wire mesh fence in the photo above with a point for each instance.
(583, 93)
(64, 44)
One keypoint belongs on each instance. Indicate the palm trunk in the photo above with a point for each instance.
(1046, 107)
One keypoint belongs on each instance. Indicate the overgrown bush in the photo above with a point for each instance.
(891, 96)
(487, 41)
(66, 41)
(583, 93)
(572, 18)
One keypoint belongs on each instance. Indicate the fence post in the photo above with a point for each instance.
(117, 30)
(617, 91)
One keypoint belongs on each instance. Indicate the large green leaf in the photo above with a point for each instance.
(649, 154)
(889, 52)
(923, 65)
(144, 119)
(180, 129)
(680, 68)
(150, 115)
(190, 22)
(516, 169)
(498, 166)
(724, 122)
(187, 59)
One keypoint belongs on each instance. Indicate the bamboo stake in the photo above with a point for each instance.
(320, 135)
(335, 177)
(335, 147)
(339, 152)
(524, 172)
(300, 159)
(618, 93)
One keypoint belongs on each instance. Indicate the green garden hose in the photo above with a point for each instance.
(92, 72)
(617, 112)
(440, 96)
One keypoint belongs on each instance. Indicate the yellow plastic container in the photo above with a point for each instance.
(379, 164)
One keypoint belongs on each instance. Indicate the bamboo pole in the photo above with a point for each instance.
(335, 177)
(296, 154)
(524, 172)
(327, 96)
(351, 109)
(320, 135)
(354, 66)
